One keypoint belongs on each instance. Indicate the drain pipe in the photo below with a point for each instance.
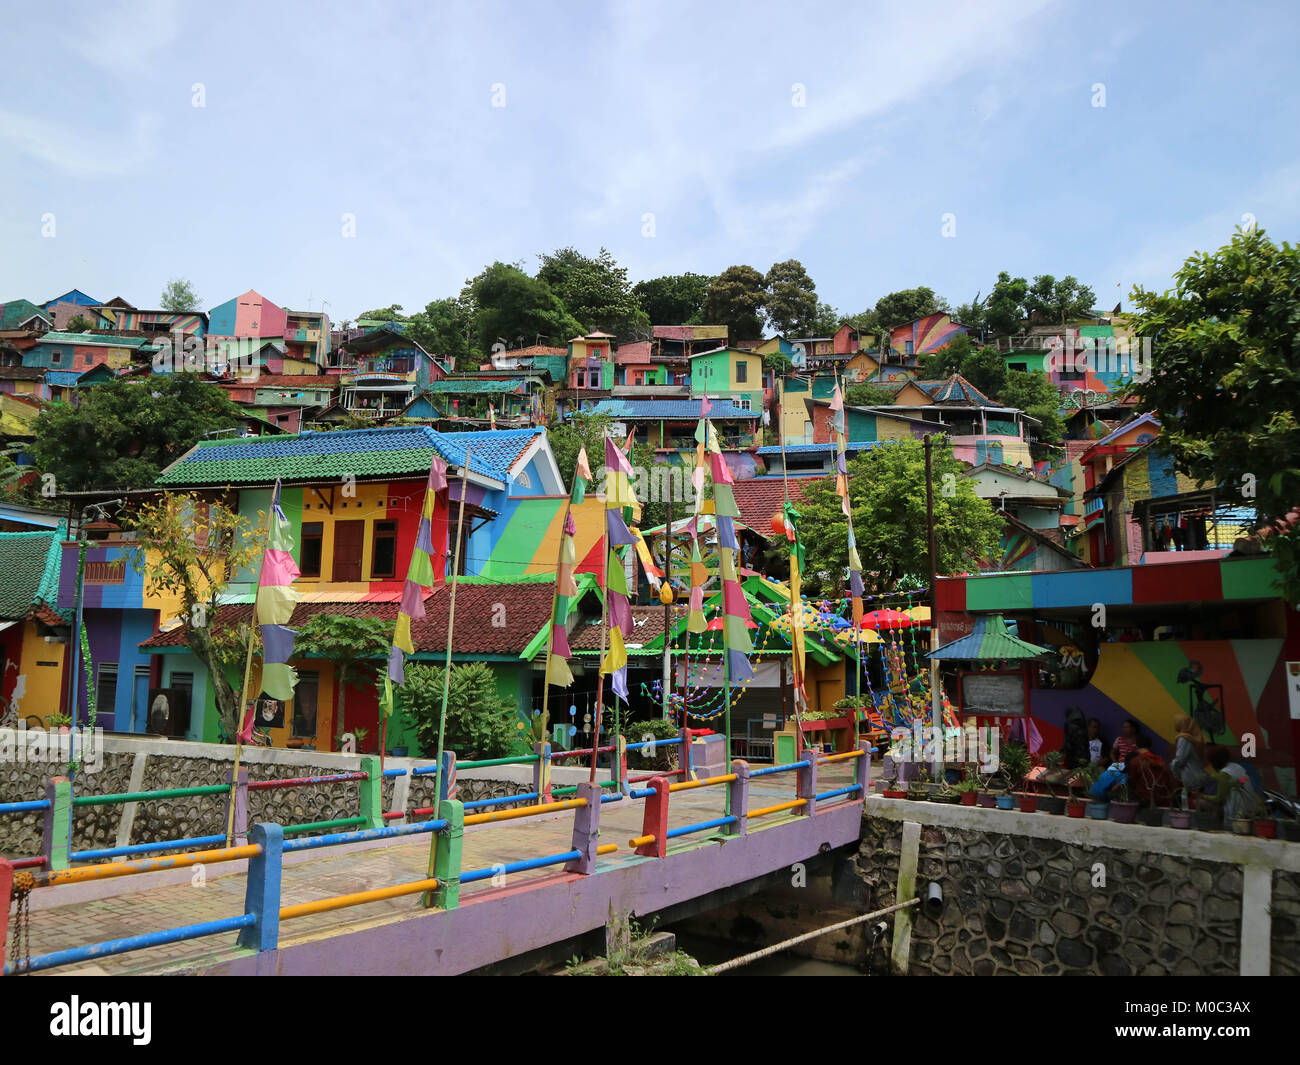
(776, 948)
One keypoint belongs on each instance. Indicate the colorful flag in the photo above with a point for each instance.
(618, 494)
(427, 569)
(566, 588)
(842, 490)
(276, 599)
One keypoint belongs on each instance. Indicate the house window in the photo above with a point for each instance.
(56, 358)
(742, 373)
(105, 687)
(581, 379)
(907, 348)
(743, 404)
(309, 556)
(304, 705)
(383, 563)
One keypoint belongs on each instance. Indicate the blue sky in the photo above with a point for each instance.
(617, 111)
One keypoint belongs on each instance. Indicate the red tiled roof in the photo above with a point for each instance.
(42, 613)
(760, 498)
(525, 608)
(647, 625)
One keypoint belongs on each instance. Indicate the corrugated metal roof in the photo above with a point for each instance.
(358, 452)
(989, 642)
(811, 449)
(678, 409)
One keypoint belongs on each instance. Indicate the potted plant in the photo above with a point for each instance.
(892, 790)
(916, 789)
(1014, 768)
(967, 791)
(946, 792)
(1053, 803)
(1265, 828)
(1209, 815)
(1122, 809)
(1082, 778)
(58, 721)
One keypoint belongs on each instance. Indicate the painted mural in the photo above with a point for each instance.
(1237, 684)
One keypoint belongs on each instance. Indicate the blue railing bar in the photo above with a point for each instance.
(24, 807)
(654, 743)
(424, 770)
(394, 772)
(479, 804)
(839, 791)
(518, 867)
(673, 833)
(333, 839)
(193, 843)
(122, 946)
(611, 798)
(641, 793)
(777, 769)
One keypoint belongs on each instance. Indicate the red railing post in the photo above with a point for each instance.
(6, 900)
(655, 820)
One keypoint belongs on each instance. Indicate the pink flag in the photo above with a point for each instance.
(837, 400)
(705, 407)
(584, 468)
(437, 475)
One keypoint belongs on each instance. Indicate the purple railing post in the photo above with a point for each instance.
(586, 829)
(864, 767)
(739, 799)
(655, 819)
(808, 782)
(240, 799)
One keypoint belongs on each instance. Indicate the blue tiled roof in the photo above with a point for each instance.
(359, 452)
(634, 409)
(811, 449)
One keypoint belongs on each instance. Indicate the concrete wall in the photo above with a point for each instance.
(1040, 894)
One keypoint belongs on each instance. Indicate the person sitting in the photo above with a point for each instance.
(1096, 745)
(1188, 763)
(1151, 782)
(1115, 774)
(1126, 743)
(1230, 791)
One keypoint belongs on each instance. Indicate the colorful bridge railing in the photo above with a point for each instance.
(258, 925)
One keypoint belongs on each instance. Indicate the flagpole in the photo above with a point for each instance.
(798, 669)
(446, 675)
(600, 667)
(243, 694)
(550, 640)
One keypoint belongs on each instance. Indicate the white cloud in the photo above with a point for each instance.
(72, 150)
(124, 37)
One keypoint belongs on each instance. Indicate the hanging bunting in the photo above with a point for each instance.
(276, 598)
(566, 588)
(427, 569)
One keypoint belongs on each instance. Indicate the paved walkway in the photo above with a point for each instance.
(333, 871)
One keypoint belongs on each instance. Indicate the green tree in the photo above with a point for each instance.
(887, 497)
(391, 313)
(444, 329)
(867, 395)
(356, 647)
(1034, 394)
(179, 296)
(675, 299)
(595, 291)
(1005, 310)
(196, 570)
(972, 315)
(480, 723)
(122, 434)
(826, 321)
(985, 369)
(736, 299)
(1225, 373)
(907, 305)
(791, 299)
(1059, 302)
(518, 310)
(578, 431)
(941, 364)
(79, 323)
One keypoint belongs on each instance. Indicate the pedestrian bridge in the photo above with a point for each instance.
(372, 901)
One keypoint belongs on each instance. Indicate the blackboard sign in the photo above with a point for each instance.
(989, 694)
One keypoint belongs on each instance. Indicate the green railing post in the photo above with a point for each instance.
(447, 857)
(372, 792)
(56, 838)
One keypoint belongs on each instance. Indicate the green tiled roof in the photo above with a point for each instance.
(29, 562)
(15, 312)
(55, 337)
(463, 386)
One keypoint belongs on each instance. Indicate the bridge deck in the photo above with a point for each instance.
(130, 906)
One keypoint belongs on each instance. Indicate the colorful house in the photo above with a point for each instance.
(307, 341)
(382, 371)
(79, 352)
(729, 373)
(73, 304)
(33, 634)
(1208, 637)
(591, 362)
(670, 424)
(129, 319)
(923, 336)
(24, 316)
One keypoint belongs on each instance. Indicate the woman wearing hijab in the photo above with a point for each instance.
(1188, 763)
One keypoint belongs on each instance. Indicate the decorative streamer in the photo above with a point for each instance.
(566, 589)
(838, 423)
(276, 599)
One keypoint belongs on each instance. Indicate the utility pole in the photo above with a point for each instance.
(936, 695)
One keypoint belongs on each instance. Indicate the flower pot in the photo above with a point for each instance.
(1051, 804)
(1125, 813)
(1266, 829)
(918, 794)
(1151, 816)
(398, 752)
(1029, 803)
(1075, 808)
(1209, 822)
(1290, 831)
(1180, 818)
(987, 800)
(1243, 826)
(895, 794)
(949, 797)
(1006, 802)
(969, 798)
(1097, 810)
